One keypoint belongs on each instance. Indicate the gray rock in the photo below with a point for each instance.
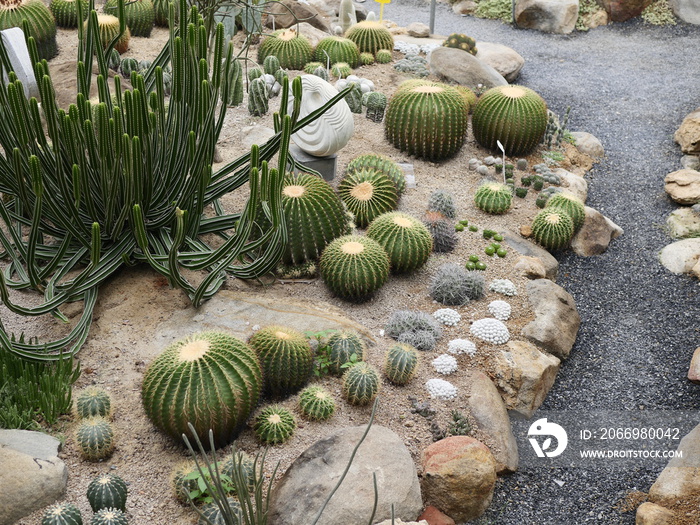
(680, 257)
(507, 61)
(400, 522)
(256, 135)
(556, 317)
(588, 144)
(314, 34)
(525, 247)
(679, 480)
(302, 490)
(549, 16)
(686, 10)
(18, 53)
(683, 223)
(530, 267)
(690, 162)
(286, 13)
(573, 183)
(688, 134)
(456, 65)
(595, 235)
(464, 7)
(694, 368)
(652, 514)
(35, 444)
(683, 186)
(418, 30)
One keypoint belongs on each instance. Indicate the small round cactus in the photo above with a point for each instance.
(95, 438)
(183, 481)
(107, 491)
(370, 36)
(407, 240)
(341, 70)
(422, 340)
(384, 56)
(139, 15)
(212, 515)
(553, 228)
(93, 401)
(337, 49)
(461, 41)
(66, 12)
(453, 285)
(342, 346)
(381, 164)
(442, 201)
(316, 403)
(571, 204)
(62, 514)
(109, 28)
(376, 105)
(258, 96)
(403, 321)
(292, 50)
(310, 67)
(367, 59)
(271, 65)
(275, 424)
(401, 363)
(443, 232)
(493, 197)
(247, 464)
(360, 384)
(128, 66)
(109, 517)
(367, 193)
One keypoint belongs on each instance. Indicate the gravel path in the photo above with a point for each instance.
(630, 85)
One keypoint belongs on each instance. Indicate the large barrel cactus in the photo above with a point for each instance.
(514, 115)
(370, 36)
(211, 380)
(381, 164)
(428, 120)
(160, 12)
(292, 50)
(406, 239)
(337, 49)
(109, 28)
(367, 194)
(66, 12)
(139, 15)
(42, 25)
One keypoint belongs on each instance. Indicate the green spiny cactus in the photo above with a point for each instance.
(62, 514)
(160, 12)
(93, 401)
(209, 379)
(367, 193)
(428, 121)
(571, 204)
(109, 29)
(381, 164)
(286, 359)
(275, 424)
(321, 72)
(354, 98)
(354, 267)
(443, 202)
(401, 363)
(234, 95)
(493, 197)
(461, 41)
(376, 105)
(407, 241)
(109, 517)
(468, 95)
(258, 96)
(305, 270)
(360, 383)
(310, 67)
(255, 72)
(514, 115)
(114, 61)
(280, 75)
(66, 12)
(139, 15)
(212, 515)
(293, 51)
(553, 228)
(444, 237)
(247, 464)
(316, 403)
(107, 491)
(183, 481)
(271, 65)
(95, 438)
(128, 66)
(452, 285)
(370, 37)
(341, 70)
(384, 56)
(337, 49)
(367, 59)
(41, 23)
(343, 345)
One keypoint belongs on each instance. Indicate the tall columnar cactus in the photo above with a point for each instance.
(109, 29)
(286, 359)
(360, 384)
(401, 363)
(66, 12)
(316, 403)
(461, 41)
(139, 15)
(275, 424)
(428, 121)
(367, 193)
(258, 96)
(553, 228)
(95, 438)
(514, 115)
(381, 164)
(234, 95)
(41, 23)
(292, 50)
(493, 197)
(443, 202)
(370, 36)
(109, 517)
(384, 56)
(571, 204)
(337, 49)
(93, 401)
(107, 491)
(444, 237)
(209, 379)
(354, 267)
(62, 514)
(343, 345)
(407, 241)
(376, 106)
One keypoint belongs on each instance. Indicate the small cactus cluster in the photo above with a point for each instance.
(381, 164)
(341, 70)
(109, 517)
(367, 59)
(401, 363)
(343, 345)
(310, 67)
(461, 41)
(444, 364)
(415, 328)
(62, 514)
(571, 204)
(292, 50)
(139, 15)
(274, 424)
(316, 403)
(493, 197)
(66, 12)
(442, 201)
(337, 49)
(453, 285)
(490, 330)
(370, 36)
(107, 491)
(441, 389)
(367, 193)
(40, 20)
(360, 384)
(553, 228)
(406, 240)
(108, 27)
(443, 232)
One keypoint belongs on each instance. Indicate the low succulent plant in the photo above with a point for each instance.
(343, 345)
(571, 204)
(500, 310)
(461, 41)
(490, 330)
(453, 285)
(406, 240)
(212, 515)
(66, 12)
(370, 36)
(337, 49)
(493, 197)
(139, 15)
(95, 438)
(62, 514)
(109, 517)
(401, 363)
(360, 384)
(292, 50)
(40, 20)
(443, 232)
(107, 491)
(367, 193)
(441, 389)
(316, 403)
(381, 164)
(553, 228)
(93, 401)
(423, 340)
(275, 424)
(383, 56)
(442, 201)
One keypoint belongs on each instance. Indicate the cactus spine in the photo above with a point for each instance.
(316, 403)
(493, 197)
(384, 56)
(95, 438)
(139, 15)
(342, 347)
(553, 228)
(367, 193)
(337, 49)
(376, 105)
(93, 401)
(401, 363)
(109, 517)
(444, 237)
(41, 23)
(461, 41)
(62, 514)
(109, 29)
(571, 204)
(407, 241)
(258, 96)
(293, 51)
(107, 491)
(361, 384)
(66, 12)
(381, 164)
(370, 36)
(275, 424)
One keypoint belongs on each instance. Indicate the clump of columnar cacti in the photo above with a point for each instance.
(370, 37)
(514, 115)
(41, 23)
(108, 26)
(504, 287)
(337, 49)
(407, 241)
(500, 310)
(444, 364)
(360, 383)
(107, 491)
(354, 98)
(453, 285)
(292, 50)
(139, 15)
(354, 267)
(233, 96)
(571, 204)
(442, 201)
(95, 438)
(229, 368)
(447, 316)
(212, 515)
(341, 70)
(343, 345)
(376, 106)
(367, 193)
(258, 96)
(274, 424)
(553, 228)
(493, 197)
(490, 330)
(66, 12)
(423, 340)
(286, 359)
(109, 517)
(381, 164)
(443, 232)
(461, 346)
(310, 67)
(62, 514)
(367, 59)
(383, 56)
(401, 363)
(428, 121)
(316, 403)
(441, 389)
(461, 41)
(93, 401)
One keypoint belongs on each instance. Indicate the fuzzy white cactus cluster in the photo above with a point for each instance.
(406, 48)
(500, 310)
(503, 286)
(441, 389)
(445, 364)
(490, 330)
(447, 316)
(461, 346)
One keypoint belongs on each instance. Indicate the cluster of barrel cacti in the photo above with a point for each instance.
(94, 434)
(461, 41)
(561, 218)
(107, 497)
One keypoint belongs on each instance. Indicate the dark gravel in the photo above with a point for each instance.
(630, 85)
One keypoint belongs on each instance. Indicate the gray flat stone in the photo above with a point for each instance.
(525, 247)
(34, 444)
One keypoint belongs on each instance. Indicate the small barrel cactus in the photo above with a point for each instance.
(286, 359)
(370, 36)
(341, 70)
(337, 49)
(275, 424)
(354, 98)
(271, 64)
(514, 115)
(93, 401)
(407, 240)
(105, 491)
(66, 12)
(383, 56)
(401, 363)
(452, 285)
(367, 59)
(310, 67)
(212, 515)
(461, 41)
(553, 228)
(381, 164)
(139, 15)
(258, 96)
(442, 201)
(255, 72)
(360, 384)
(292, 50)
(109, 517)
(41, 23)
(354, 267)
(109, 29)
(443, 232)
(234, 95)
(321, 72)
(468, 95)
(343, 345)
(95, 438)
(316, 403)
(128, 66)
(247, 467)
(376, 105)
(183, 481)
(571, 204)
(62, 514)
(493, 197)
(367, 194)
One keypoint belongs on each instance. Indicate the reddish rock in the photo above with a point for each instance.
(621, 10)
(694, 369)
(434, 517)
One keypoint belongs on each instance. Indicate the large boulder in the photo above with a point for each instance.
(686, 10)
(683, 223)
(418, 30)
(681, 256)
(588, 144)
(459, 474)
(683, 186)
(302, 490)
(530, 267)
(621, 10)
(573, 183)
(681, 477)
(314, 34)
(595, 234)
(507, 61)
(460, 67)
(549, 16)
(688, 134)
(286, 13)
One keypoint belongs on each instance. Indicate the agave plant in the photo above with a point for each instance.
(126, 180)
